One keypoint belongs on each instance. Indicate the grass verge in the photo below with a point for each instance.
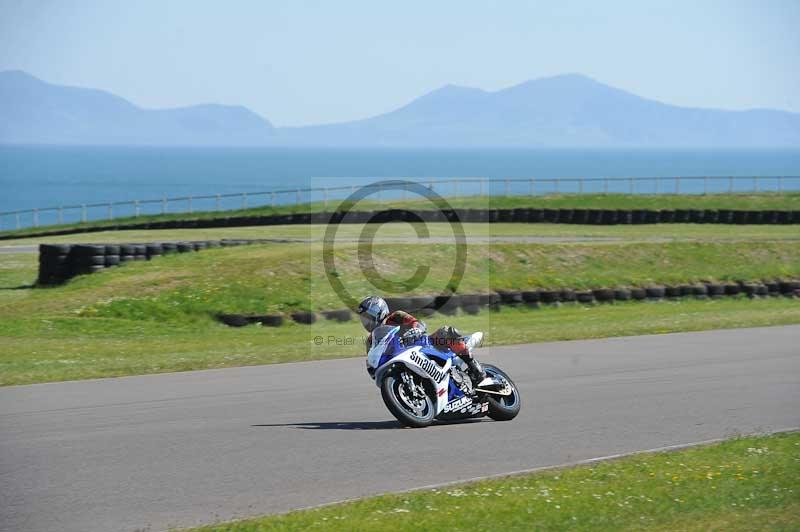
(151, 317)
(70, 347)
(284, 277)
(741, 484)
(765, 201)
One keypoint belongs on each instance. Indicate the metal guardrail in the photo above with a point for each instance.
(451, 187)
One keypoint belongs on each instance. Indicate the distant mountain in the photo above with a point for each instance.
(569, 110)
(562, 111)
(32, 111)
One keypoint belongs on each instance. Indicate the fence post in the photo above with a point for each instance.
(164, 204)
(658, 182)
(630, 185)
(605, 185)
(558, 186)
(755, 183)
(136, 208)
(216, 202)
(244, 200)
(297, 198)
(730, 185)
(780, 183)
(190, 204)
(325, 198)
(481, 185)
(17, 220)
(580, 185)
(36, 217)
(110, 211)
(705, 185)
(677, 185)
(60, 215)
(455, 187)
(505, 184)
(83, 213)
(272, 199)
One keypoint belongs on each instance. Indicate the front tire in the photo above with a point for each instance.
(406, 398)
(502, 407)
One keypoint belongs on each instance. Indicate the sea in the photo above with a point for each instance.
(40, 177)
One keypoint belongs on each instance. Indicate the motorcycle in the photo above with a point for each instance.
(420, 383)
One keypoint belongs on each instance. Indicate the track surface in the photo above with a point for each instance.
(471, 239)
(190, 448)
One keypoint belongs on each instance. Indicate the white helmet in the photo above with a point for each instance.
(372, 311)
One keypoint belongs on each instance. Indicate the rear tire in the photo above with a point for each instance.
(502, 407)
(396, 400)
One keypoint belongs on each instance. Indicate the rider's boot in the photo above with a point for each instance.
(474, 368)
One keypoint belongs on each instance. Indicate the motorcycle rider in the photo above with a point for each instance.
(373, 311)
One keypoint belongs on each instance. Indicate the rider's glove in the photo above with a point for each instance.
(411, 336)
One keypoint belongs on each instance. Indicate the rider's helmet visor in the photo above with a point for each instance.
(368, 321)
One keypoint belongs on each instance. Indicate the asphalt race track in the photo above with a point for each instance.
(190, 448)
(471, 239)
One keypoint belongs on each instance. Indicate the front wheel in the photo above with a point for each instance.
(502, 407)
(407, 400)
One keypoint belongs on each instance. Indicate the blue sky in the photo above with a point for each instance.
(302, 62)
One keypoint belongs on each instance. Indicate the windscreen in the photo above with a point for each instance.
(380, 332)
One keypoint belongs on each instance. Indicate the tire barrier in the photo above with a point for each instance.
(532, 215)
(240, 320)
(531, 296)
(304, 317)
(59, 263)
(672, 292)
(715, 289)
(654, 292)
(338, 315)
(638, 294)
(603, 295)
(622, 294)
(700, 291)
(585, 297)
(426, 306)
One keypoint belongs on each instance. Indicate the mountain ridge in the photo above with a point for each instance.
(34, 111)
(568, 110)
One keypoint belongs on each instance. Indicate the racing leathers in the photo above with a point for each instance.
(447, 337)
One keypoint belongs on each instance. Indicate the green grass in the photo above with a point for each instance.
(658, 232)
(285, 277)
(69, 346)
(742, 484)
(150, 317)
(770, 201)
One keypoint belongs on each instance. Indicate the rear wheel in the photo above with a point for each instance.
(406, 398)
(502, 407)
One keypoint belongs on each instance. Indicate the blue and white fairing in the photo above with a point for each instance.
(423, 359)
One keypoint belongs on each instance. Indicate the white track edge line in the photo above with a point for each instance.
(586, 461)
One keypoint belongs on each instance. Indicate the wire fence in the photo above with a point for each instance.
(325, 196)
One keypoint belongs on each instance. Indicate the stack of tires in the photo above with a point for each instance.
(112, 252)
(60, 262)
(54, 266)
(87, 258)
